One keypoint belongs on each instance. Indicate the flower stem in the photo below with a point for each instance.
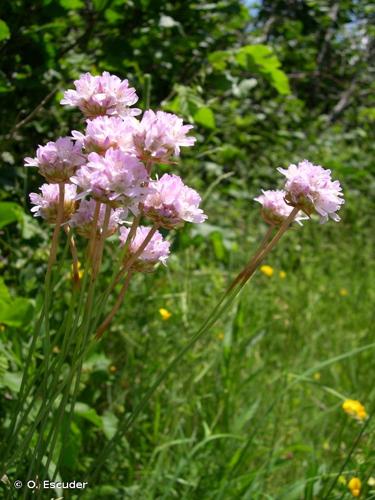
(221, 307)
(127, 267)
(102, 328)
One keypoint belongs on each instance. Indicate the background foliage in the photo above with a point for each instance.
(252, 413)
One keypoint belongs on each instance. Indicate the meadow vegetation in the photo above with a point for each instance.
(255, 409)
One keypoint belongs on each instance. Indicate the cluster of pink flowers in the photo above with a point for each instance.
(111, 163)
(308, 187)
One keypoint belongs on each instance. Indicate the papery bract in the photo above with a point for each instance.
(83, 218)
(274, 207)
(161, 135)
(105, 132)
(116, 178)
(311, 188)
(58, 161)
(47, 203)
(171, 202)
(102, 95)
(157, 250)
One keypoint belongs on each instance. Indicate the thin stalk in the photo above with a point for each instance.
(99, 253)
(103, 327)
(147, 90)
(74, 254)
(217, 312)
(51, 261)
(352, 450)
(127, 266)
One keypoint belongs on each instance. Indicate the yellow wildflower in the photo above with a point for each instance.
(317, 376)
(267, 270)
(371, 481)
(355, 409)
(343, 292)
(282, 275)
(113, 369)
(220, 336)
(164, 313)
(354, 486)
(2, 328)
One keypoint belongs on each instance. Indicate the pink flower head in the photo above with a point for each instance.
(274, 208)
(47, 203)
(114, 178)
(311, 188)
(157, 250)
(171, 202)
(83, 218)
(102, 95)
(161, 135)
(58, 161)
(106, 132)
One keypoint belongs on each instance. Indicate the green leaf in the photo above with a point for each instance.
(17, 312)
(110, 422)
(219, 59)
(4, 292)
(4, 31)
(85, 411)
(262, 58)
(10, 212)
(72, 4)
(12, 381)
(205, 117)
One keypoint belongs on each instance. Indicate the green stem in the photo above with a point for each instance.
(217, 312)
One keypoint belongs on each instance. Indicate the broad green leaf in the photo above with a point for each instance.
(220, 59)
(205, 117)
(4, 31)
(11, 380)
(16, 312)
(110, 422)
(72, 4)
(4, 292)
(85, 411)
(262, 58)
(10, 212)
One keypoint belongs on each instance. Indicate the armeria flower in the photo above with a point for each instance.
(102, 95)
(161, 135)
(310, 187)
(355, 485)
(355, 409)
(82, 219)
(171, 202)
(106, 132)
(58, 161)
(157, 250)
(115, 178)
(274, 208)
(47, 203)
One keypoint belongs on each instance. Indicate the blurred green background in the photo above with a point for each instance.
(254, 411)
